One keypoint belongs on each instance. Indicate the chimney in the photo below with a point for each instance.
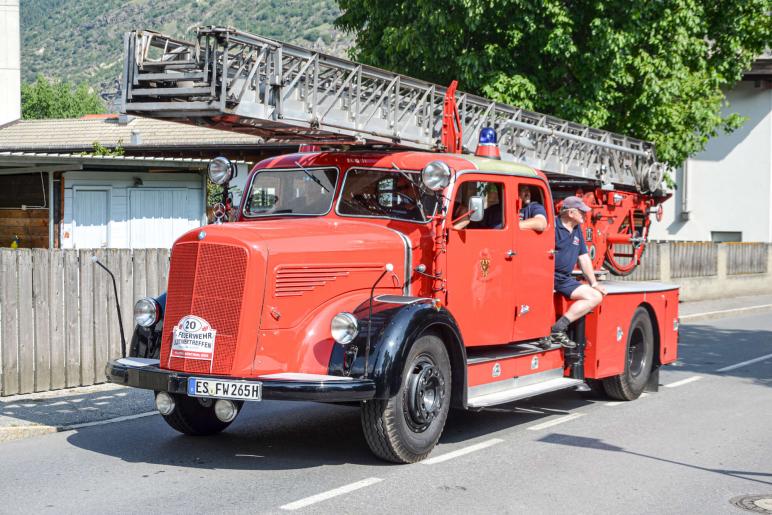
(10, 62)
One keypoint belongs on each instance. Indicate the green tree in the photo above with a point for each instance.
(44, 99)
(653, 70)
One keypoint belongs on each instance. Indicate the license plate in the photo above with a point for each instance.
(220, 389)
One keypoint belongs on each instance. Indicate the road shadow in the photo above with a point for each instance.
(704, 349)
(65, 408)
(598, 444)
(276, 435)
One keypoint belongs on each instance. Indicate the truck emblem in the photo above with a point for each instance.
(485, 264)
(496, 372)
(524, 309)
(534, 362)
(619, 333)
(201, 235)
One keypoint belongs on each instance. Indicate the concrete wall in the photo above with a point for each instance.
(10, 62)
(728, 186)
(703, 283)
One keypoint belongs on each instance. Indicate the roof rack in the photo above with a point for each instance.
(232, 80)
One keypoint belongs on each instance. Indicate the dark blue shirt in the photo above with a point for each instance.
(569, 245)
(532, 209)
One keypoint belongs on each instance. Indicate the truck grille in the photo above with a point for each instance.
(206, 280)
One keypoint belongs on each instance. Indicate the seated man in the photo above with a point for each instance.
(570, 247)
(532, 214)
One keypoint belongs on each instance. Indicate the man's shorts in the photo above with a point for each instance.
(565, 285)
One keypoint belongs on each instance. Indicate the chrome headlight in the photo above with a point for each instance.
(344, 328)
(220, 170)
(146, 312)
(436, 175)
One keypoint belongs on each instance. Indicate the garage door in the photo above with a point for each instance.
(157, 217)
(90, 216)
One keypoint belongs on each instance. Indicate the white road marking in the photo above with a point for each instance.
(550, 423)
(683, 381)
(461, 452)
(329, 494)
(738, 365)
(724, 311)
(108, 421)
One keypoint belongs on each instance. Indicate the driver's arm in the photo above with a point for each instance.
(538, 223)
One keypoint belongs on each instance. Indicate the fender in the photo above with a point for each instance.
(146, 341)
(395, 328)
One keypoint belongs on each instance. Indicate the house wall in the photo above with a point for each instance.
(30, 225)
(727, 188)
(169, 203)
(10, 62)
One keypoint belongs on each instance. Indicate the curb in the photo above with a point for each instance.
(724, 313)
(10, 433)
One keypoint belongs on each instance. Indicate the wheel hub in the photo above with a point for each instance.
(425, 395)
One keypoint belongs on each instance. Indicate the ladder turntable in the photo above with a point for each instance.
(232, 80)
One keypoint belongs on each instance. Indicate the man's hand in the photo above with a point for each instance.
(600, 288)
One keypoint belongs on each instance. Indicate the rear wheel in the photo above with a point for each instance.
(195, 416)
(639, 360)
(406, 427)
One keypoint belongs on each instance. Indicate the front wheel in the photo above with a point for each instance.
(639, 360)
(406, 427)
(195, 416)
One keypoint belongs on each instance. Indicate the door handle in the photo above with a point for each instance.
(511, 253)
(551, 253)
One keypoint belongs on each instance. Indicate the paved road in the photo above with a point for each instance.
(702, 440)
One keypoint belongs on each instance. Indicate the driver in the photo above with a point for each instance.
(532, 214)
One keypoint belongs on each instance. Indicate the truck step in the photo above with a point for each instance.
(172, 92)
(175, 76)
(475, 355)
(517, 388)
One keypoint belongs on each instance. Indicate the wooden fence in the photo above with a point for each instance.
(747, 258)
(693, 259)
(58, 322)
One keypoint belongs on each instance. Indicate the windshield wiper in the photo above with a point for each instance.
(315, 179)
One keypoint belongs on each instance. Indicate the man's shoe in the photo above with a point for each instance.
(561, 338)
(544, 343)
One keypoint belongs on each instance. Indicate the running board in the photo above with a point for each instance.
(518, 388)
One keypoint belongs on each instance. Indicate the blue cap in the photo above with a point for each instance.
(488, 136)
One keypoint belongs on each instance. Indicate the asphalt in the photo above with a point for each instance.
(694, 446)
(30, 415)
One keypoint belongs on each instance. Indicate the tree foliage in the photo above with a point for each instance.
(654, 70)
(44, 99)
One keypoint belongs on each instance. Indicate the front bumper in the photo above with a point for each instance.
(145, 373)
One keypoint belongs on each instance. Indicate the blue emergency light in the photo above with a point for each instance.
(487, 145)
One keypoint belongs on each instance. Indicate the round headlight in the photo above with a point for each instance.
(436, 175)
(220, 170)
(344, 328)
(146, 312)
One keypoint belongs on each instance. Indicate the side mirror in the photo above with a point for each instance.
(476, 209)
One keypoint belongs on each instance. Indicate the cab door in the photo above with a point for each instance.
(534, 268)
(480, 269)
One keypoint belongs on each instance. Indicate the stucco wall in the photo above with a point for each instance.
(728, 186)
(10, 70)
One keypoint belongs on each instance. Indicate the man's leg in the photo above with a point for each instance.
(585, 300)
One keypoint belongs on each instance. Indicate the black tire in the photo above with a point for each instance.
(195, 416)
(401, 429)
(639, 360)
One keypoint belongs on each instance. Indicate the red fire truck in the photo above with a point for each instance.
(347, 277)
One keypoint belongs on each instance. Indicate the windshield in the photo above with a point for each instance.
(291, 192)
(384, 194)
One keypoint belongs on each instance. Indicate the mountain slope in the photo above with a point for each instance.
(82, 40)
